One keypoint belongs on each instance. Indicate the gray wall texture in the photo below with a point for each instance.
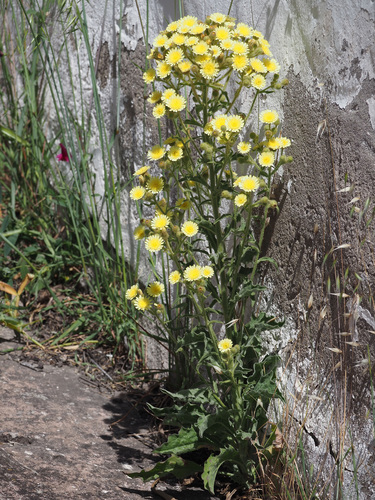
(323, 237)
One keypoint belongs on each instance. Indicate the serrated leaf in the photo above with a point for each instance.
(213, 464)
(183, 442)
(177, 466)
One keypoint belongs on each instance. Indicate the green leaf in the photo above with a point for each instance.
(177, 466)
(12, 135)
(183, 442)
(213, 464)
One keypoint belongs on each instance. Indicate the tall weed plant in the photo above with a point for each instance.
(210, 207)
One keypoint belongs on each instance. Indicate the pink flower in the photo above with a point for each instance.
(63, 156)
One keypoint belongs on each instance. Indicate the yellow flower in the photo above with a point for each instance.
(154, 97)
(243, 147)
(183, 204)
(172, 26)
(174, 56)
(284, 142)
(142, 170)
(198, 29)
(274, 143)
(159, 110)
(216, 50)
(248, 183)
(155, 184)
(192, 40)
(178, 39)
(189, 228)
(167, 94)
(244, 30)
(149, 75)
(176, 103)
(209, 69)
(207, 272)
(235, 123)
(175, 153)
(227, 44)
(155, 289)
(163, 70)
(240, 62)
(265, 47)
(174, 277)
(184, 66)
(258, 82)
(156, 153)
(218, 18)
(186, 23)
(268, 116)
(222, 33)
(257, 65)
(202, 59)
(139, 233)
(240, 48)
(160, 40)
(266, 159)
(132, 292)
(154, 243)
(142, 303)
(137, 193)
(160, 222)
(240, 200)
(200, 48)
(225, 345)
(219, 121)
(193, 273)
(272, 65)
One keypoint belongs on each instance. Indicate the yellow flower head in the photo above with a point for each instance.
(257, 65)
(178, 39)
(142, 170)
(176, 103)
(240, 200)
(192, 40)
(184, 66)
(174, 277)
(132, 292)
(225, 345)
(154, 243)
(198, 29)
(248, 183)
(149, 75)
(139, 233)
(159, 110)
(175, 153)
(183, 204)
(240, 62)
(156, 153)
(265, 47)
(172, 26)
(160, 222)
(222, 33)
(167, 94)
(258, 82)
(274, 143)
(268, 116)
(219, 121)
(240, 48)
(272, 65)
(174, 56)
(216, 50)
(227, 44)
(186, 23)
(218, 18)
(193, 273)
(142, 303)
(189, 228)
(200, 48)
(266, 159)
(244, 30)
(207, 272)
(160, 40)
(155, 184)
(154, 97)
(235, 123)
(243, 147)
(284, 142)
(137, 193)
(155, 289)
(163, 69)
(209, 69)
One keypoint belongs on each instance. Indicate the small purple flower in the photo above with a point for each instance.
(63, 156)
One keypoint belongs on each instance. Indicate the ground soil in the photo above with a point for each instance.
(56, 437)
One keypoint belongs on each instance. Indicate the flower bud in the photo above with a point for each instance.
(208, 148)
(268, 134)
(201, 289)
(272, 204)
(284, 82)
(235, 349)
(227, 195)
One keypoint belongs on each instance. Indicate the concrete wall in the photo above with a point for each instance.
(326, 49)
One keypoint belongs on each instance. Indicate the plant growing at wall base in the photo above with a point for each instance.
(209, 210)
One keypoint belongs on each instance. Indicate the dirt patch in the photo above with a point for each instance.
(56, 441)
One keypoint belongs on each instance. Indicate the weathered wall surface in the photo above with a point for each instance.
(326, 49)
